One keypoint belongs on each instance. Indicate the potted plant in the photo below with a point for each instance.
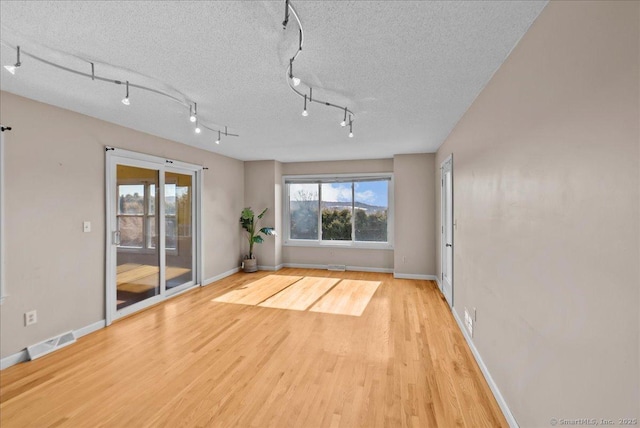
(250, 225)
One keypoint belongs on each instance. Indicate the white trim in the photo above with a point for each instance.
(304, 266)
(439, 283)
(329, 178)
(443, 214)
(349, 268)
(162, 165)
(271, 268)
(415, 276)
(23, 356)
(11, 360)
(90, 328)
(223, 275)
(369, 269)
(511, 420)
(3, 282)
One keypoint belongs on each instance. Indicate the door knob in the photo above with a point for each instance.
(448, 245)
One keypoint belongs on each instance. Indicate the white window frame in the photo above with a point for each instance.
(331, 178)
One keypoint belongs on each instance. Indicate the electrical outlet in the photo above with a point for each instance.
(30, 318)
(86, 226)
(468, 320)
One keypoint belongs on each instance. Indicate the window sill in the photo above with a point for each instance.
(335, 244)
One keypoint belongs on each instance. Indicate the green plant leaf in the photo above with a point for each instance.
(247, 214)
(262, 213)
(258, 239)
(268, 231)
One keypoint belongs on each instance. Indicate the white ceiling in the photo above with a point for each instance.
(408, 70)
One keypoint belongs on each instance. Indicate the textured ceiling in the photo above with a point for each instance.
(408, 70)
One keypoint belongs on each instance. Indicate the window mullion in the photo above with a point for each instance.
(353, 212)
(319, 212)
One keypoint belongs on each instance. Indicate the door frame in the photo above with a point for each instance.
(116, 156)
(443, 214)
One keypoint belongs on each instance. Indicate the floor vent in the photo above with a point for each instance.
(50, 345)
(339, 268)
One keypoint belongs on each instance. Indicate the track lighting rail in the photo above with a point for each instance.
(93, 76)
(293, 81)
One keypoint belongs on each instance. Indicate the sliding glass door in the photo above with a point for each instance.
(136, 234)
(179, 222)
(153, 213)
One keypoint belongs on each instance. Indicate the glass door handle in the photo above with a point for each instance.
(115, 237)
(448, 245)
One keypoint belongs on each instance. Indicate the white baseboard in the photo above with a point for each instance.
(22, 356)
(11, 360)
(90, 328)
(221, 276)
(369, 269)
(349, 268)
(439, 283)
(271, 268)
(415, 276)
(304, 266)
(485, 371)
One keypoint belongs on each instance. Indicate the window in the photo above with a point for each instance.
(342, 211)
(137, 215)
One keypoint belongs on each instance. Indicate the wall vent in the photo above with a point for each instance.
(339, 268)
(50, 345)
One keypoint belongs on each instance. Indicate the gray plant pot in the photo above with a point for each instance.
(250, 265)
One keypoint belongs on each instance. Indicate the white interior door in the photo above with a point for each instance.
(153, 245)
(447, 229)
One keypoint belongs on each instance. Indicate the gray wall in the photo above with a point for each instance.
(546, 181)
(414, 184)
(259, 193)
(54, 178)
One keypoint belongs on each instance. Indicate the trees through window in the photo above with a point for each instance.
(355, 210)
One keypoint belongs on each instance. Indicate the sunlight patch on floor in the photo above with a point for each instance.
(313, 294)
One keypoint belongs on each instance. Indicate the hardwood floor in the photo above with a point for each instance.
(195, 362)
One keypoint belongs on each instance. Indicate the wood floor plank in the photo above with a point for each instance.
(193, 362)
(126, 266)
(302, 294)
(349, 297)
(258, 291)
(136, 273)
(146, 283)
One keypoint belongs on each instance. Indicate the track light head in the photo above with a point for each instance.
(344, 121)
(218, 140)
(305, 113)
(193, 112)
(12, 68)
(350, 127)
(125, 100)
(296, 81)
(350, 134)
(197, 130)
